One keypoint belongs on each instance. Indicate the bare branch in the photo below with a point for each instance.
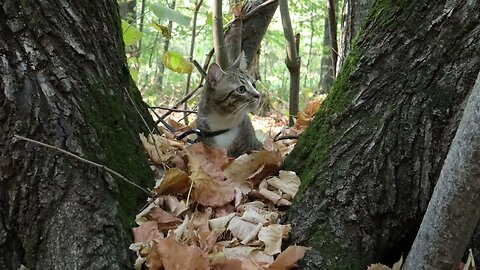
(103, 167)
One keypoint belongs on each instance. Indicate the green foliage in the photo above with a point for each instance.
(307, 17)
(166, 13)
(176, 62)
(131, 34)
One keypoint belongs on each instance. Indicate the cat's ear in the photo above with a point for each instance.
(240, 62)
(214, 74)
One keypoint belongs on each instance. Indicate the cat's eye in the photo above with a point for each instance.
(254, 86)
(241, 89)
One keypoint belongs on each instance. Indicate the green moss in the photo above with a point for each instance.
(313, 146)
(114, 122)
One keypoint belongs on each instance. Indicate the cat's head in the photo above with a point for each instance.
(232, 90)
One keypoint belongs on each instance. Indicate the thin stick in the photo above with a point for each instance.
(171, 109)
(86, 161)
(200, 69)
(185, 98)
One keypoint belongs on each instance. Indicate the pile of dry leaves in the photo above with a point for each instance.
(212, 212)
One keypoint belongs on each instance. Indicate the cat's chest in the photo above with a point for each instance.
(226, 139)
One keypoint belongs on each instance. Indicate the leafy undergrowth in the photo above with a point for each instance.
(212, 212)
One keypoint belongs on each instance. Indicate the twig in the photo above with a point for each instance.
(185, 98)
(171, 109)
(86, 161)
(200, 69)
(136, 109)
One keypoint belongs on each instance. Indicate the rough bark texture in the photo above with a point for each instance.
(255, 26)
(326, 68)
(354, 11)
(453, 211)
(64, 81)
(332, 28)
(370, 159)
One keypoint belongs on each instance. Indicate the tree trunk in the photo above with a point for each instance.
(64, 81)
(255, 26)
(127, 10)
(453, 211)
(326, 67)
(354, 11)
(370, 159)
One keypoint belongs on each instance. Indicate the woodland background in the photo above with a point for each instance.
(402, 114)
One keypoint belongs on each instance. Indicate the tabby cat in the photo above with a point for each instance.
(222, 115)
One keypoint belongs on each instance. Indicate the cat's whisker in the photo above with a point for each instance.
(238, 110)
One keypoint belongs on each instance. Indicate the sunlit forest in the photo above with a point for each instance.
(239, 135)
(148, 35)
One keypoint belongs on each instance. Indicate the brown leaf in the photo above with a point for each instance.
(288, 258)
(210, 159)
(207, 191)
(175, 256)
(247, 165)
(212, 193)
(224, 264)
(175, 181)
(287, 182)
(164, 219)
(147, 232)
(272, 236)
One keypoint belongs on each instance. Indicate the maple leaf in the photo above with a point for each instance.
(171, 255)
(175, 181)
(210, 159)
(164, 219)
(246, 165)
(147, 232)
(207, 191)
(250, 257)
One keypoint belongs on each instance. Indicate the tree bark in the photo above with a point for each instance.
(453, 211)
(332, 29)
(370, 159)
(354, 11)
(255, 26)
(64, 81)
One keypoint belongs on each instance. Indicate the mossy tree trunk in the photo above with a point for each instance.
(354, 11)
(370, 159)
(64, 81)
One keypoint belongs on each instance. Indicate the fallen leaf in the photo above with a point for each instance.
(164, 219)
(210, 159)
(239, 228)
(224, 264)
(172, 255)
(246, 165)
(287, 182)
(272, 236)
(175, 181)
(147, 232)
(207, 191)
(288, 258)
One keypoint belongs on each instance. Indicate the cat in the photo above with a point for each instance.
(228, 96)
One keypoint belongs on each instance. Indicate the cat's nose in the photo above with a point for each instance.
(256, 94)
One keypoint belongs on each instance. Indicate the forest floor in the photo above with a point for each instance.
(214, 212)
